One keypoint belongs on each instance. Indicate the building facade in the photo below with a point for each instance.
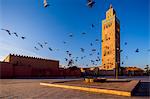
(110, 41)
(18, 66)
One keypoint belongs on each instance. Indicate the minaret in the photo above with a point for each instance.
(110, 41)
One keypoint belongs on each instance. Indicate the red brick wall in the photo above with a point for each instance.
(22, 71)
(6, 70)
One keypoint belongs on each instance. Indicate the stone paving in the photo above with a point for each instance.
(31, 89)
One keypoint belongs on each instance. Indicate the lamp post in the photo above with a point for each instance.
(116, 73)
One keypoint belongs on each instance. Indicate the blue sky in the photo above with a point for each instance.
(53, 24)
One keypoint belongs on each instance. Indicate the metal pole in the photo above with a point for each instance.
(116, 70)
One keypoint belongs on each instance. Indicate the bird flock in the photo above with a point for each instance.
(70, 59)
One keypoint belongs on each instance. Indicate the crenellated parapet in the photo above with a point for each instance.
(31, 57)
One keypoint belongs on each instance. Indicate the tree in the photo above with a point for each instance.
(147, 70)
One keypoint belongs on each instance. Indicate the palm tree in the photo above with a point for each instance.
(147, 70)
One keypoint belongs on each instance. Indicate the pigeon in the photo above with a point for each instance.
(90, 3)
(45, 43)
(70, 35)
(23, 37)
(67, 52)
(64, 42)
(40, 45)
(46, 4)
(70, 54)
(70, 62)
(93, 26)
(36, 48)
(93, 50)
(137, 50)
(66, 59)
(82, 50)
(15, 34)
(50, 49)
(90, 54)
(91, 44)
(97, 40)
(7, 31)
(83, 33)
(121, 50)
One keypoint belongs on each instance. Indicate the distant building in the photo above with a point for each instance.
(17, 66)
(110, 41)
(132, 71)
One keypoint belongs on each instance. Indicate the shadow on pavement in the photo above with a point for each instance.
(143, 89)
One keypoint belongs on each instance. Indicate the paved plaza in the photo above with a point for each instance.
(31, 89)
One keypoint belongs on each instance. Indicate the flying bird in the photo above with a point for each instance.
(23, 37)
(70, 62)
(36, 48)
(46, 4)
(66, 59)
(40, 45)
(67, 52)
(50, 49)
(93, 50)
(125, 43)
(83, 33)
(137, 50)
(93, 25)
(70, 54)
(121, 50)
(70, 35)
(90, 54)
(82, 50)
(91, 44)
(97, 40)
(15, 34)
(45, 43)
(90, 3)
(7, 31)
(64, 42)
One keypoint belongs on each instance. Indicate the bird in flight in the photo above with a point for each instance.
(83, 33)
(45, 43)
(46, 4)
(70, 54)
(121, 50)
(7, 31)
(40, 45)
(137, 50)
(93, 50)
(70, 35)
(82, 50)
(125, 43)
(23, 37)
(91, 44)
(96, 40)
(36, 48)
(15, 34)
(90, 3)
(93, 25)
(70, 63)
(64, 42)
(66, 59)
(50, 49)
